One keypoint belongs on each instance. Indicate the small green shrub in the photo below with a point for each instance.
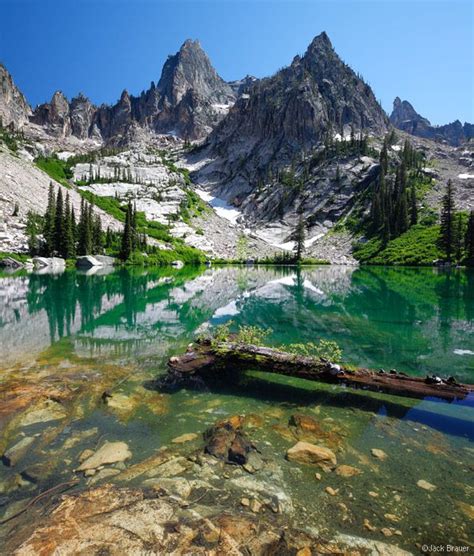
(252, 335)
(326, 349)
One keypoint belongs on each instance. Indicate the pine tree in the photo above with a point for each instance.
(386, 232)
(413, 206)
(384, 158)
(469, 240)
(300, 233)
(97, 236)
(127, 242)
(59, 224)
(69, 243)
(49, 219)
(32, 231)
(84, 231)
(446, 238)
(134, 227)
(458, 236)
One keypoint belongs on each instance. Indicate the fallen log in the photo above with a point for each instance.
(209, 358)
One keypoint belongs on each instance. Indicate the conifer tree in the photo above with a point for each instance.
(84, 231)
(300, 234)
(446, 238)
(49, 219)
(59, 224)
(386, 232)
(413, 206)
(69, 243)
(32, 233)
(458, 236)
(469, 240)
(384, 158)
(97, 236)
(127, 243)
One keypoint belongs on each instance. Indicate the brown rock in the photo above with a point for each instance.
(304, 452)
(379, 454)
(347, 471)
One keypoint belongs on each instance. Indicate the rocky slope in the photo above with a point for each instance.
(406, 118)
(14, 109)
(24, 185)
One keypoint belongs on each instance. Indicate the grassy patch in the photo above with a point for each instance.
(417, 246)
(56, 169)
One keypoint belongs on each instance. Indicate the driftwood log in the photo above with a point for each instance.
(206, 358)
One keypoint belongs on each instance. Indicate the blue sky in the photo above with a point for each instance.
(420, 50)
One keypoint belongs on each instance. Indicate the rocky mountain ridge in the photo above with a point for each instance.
(406, 118)
(189, 100)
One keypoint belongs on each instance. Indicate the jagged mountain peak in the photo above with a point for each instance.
(320, 42)
(190, 68)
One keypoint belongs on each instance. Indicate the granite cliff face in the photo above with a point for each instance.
(14, 109)
(293, 111)
(189, 100)
(406, 118)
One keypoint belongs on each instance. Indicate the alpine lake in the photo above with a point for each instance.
(407, 476)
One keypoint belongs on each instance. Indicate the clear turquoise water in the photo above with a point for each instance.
(121, 328)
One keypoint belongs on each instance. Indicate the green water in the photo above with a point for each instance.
(117, 330)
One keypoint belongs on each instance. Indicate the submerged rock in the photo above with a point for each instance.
(379, 454)
(110, 452)
(347, 471)
(227, 442)
(425, 485)
(18, 451)
(304, 452)
(43, 412)
(184, 438)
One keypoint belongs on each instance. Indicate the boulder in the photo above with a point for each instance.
(10, 263)
(91, 261)
(55, 263)
(227, 442)
(304, 452)
(16, 452)
(110, 452)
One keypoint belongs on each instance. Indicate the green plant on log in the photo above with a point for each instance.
(252, 335)
(326, 349)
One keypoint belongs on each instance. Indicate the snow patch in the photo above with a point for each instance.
(221, 207)
(466, 176)
(64, 155)
(463, 352)
(396, 148)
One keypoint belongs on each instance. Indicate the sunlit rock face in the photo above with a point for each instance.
(14, 109)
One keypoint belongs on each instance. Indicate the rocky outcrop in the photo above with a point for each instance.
(406, 118)
(14, 109)
(82, 117)
(54, 115)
